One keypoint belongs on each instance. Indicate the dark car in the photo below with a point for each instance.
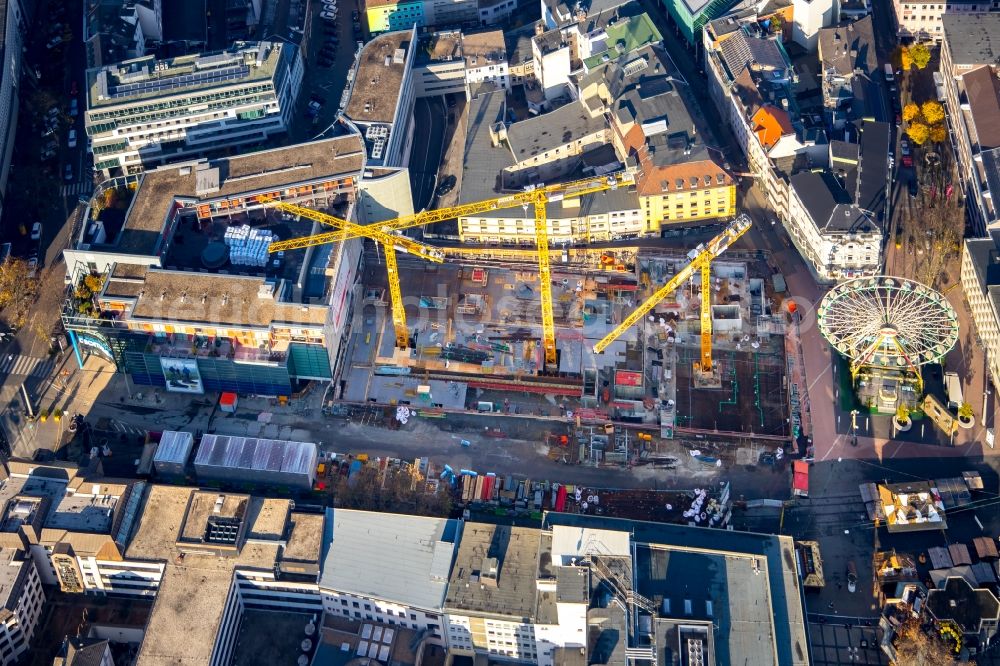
(912, 187)
(447, 185)
(355, 15)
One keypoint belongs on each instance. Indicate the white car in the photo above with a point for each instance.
(71, 139)
(329, 16)
(36, 231)
(32, 267)
(74, 108)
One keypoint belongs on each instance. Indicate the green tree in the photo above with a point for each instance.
(910, 112)
(920, 54)
(932, 111)
(919, 133)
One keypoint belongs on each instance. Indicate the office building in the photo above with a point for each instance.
(145, 111)
(981, 286)
(969, 67)
(379, 99)
(392, 15)
(221, 555)
(182, 310)
(391, 569)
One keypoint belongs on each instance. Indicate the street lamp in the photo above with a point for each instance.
(854, 427)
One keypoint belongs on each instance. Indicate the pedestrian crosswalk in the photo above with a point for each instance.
(77, 189)
(126, 428)
(25, 366)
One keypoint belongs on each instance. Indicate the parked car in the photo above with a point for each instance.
(899, 119)
(447, 185)
(314, 105)
(71, 139)
(912, 187)
(328, 16)
(904, 147)
(32, 266)
(907, 161)
(36, 231)
(852, 576)
(74, 108)
(355, 15)
(73, 88)
(54, 42)
(68, 172)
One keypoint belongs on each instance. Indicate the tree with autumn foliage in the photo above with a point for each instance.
(920, 55)
(932, 111)
(910, 112)
(919, 133)
(17, 290)
(903, 56)
(915, 647)
(938, 133)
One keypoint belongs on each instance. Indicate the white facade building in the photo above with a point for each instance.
(921, 19)
(147, 111)
(811, 16)
(22, 599)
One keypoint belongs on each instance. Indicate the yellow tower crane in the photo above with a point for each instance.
(537, 196)
(701, 262)
(389, 242)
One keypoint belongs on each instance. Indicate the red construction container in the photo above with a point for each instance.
(228, 402)
(561, 499)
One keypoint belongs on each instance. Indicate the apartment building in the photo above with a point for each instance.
(146, 111)
(390, 569)
(84, 651)
(13, 25)
(21, 601)
(188, 308)
(452, 62)
(652, 119)
(751, 81)
(117, 31)
(850, 69)
(493, 165)
(922, 19)
(969, 55)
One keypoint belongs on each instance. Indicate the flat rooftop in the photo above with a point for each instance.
(343, 641)
(69, 506)
(482, 49)
(746, 583)
(441, 46)
(148, 78)
(390, 556)
(12, 576)
(250, 173)
(494, 572)
(534, 136)
(972, 38)
(379, 79)
(194, 585)
(304, 546)
(164, 295)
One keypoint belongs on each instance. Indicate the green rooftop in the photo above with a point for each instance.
(625, 37)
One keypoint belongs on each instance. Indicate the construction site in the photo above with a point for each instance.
(665, 338)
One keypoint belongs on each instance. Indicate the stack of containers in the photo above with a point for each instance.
(248, 246)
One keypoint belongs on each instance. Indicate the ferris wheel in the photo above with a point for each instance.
(888, 323)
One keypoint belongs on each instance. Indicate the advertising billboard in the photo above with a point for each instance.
(182, 375)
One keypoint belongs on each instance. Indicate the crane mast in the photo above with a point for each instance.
(701, 262)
